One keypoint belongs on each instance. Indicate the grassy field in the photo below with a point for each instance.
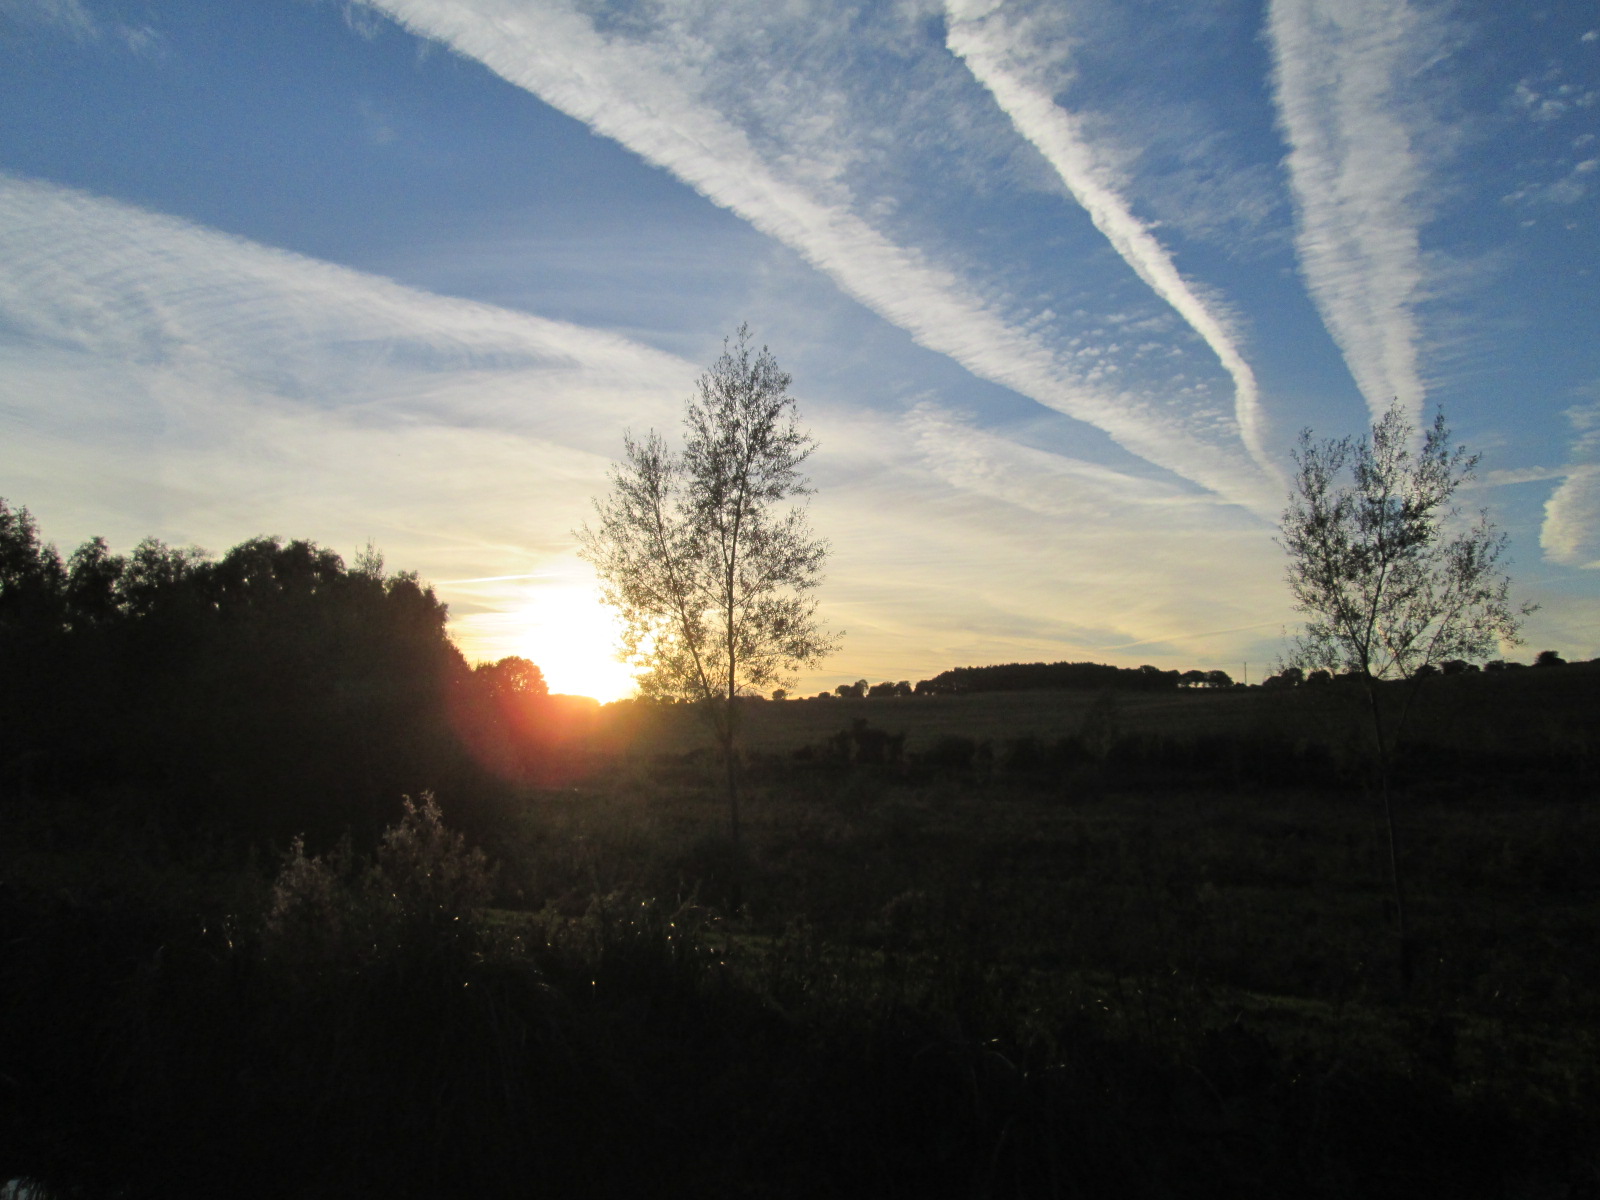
(1234, 923)
(1524, 708)
(1151, 957)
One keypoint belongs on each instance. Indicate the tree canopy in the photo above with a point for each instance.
(1388, 579)
(1392, 583)
(273, 689)
(711, 567)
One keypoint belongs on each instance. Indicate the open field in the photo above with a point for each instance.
(1145, 965)
(1522, 716)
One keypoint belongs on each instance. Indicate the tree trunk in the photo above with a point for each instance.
(1395, 885)
(731, 765)
(1385, 750)
(735, 833)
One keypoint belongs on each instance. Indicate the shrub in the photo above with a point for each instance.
(419, 895)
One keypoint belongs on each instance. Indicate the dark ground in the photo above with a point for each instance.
(1051, 946)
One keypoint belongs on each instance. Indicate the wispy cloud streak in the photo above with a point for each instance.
(1340, 68)
(117, 283)
(636, 93)
(1570, 533)
(179, 381)
(73, 18)
(172, 380)
(1001, 57)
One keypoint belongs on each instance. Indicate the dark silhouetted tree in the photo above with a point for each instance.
(710, 566)
(94, 584)
(511, 676)
(270, 691)
(32, 579)
(1387, 580)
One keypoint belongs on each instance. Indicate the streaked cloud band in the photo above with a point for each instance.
(639, 96)
(1339, 71)
(997, 52)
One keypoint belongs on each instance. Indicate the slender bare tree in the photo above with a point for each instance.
(711, 567)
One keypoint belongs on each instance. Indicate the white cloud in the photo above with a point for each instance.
(73, 18)
(1003, 58)
(68, 16)
(167, 379)
(1570, 534)
(120, 284)
(1569, 189)
(990, 551)
(1509, 476)
(359, 20)
(658, 96)
(953, 575)
(171, 380)
(1340, 69)
(1048, 485)
(1547, 104)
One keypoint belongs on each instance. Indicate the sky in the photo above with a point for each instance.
(1059, 285)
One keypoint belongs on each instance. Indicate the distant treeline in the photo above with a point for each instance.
(1066, 676)
(273, 688)
(1101, 677)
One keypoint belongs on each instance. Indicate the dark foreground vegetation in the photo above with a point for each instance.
(1025, 944)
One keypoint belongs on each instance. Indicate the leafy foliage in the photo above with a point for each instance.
(1386, 586)
(512, 677)
(420, 894)
(1388, 590)
(712, 577)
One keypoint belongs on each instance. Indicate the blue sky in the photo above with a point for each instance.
(1058, 283)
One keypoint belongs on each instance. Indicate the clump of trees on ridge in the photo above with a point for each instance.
(1066, 676)
(273, 689)
(1040, 677)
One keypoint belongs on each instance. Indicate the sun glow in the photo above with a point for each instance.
(555, 621)
(573, 638)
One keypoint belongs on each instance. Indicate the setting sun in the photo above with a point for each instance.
(555, 620)
(573, 638)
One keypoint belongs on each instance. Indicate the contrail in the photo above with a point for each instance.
(1189, 637)
(497, 578)
(1339, 66)
(643, 96)
(994, 53)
